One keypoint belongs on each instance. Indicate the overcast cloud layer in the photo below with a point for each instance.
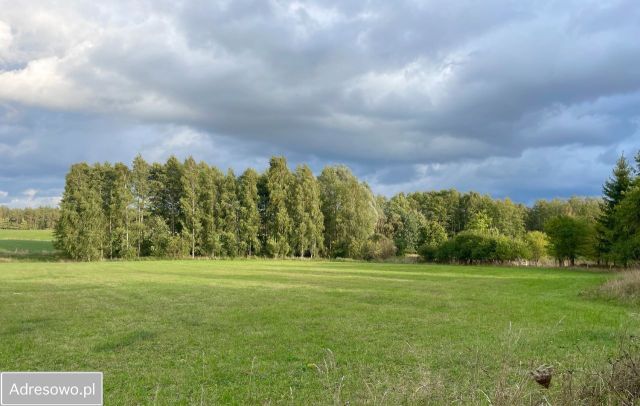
(528, 100)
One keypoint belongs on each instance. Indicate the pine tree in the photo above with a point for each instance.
(278, 223)
(249, 216)
(306, 213)
(613, 192)
(191, 222)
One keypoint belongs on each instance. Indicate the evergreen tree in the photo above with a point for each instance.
(306, 214)
(613, 192)
(191, 222)
(626, 247)
(278, 222)
(249, 216)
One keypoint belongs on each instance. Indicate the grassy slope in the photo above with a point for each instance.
(250, 331)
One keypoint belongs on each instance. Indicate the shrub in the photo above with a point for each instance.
(537, 242)
(475, 246)
(178, 246)
(158, 237)
(379, 247)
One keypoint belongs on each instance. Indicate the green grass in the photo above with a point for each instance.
(35, 235)
(31, 245)
(297, 332)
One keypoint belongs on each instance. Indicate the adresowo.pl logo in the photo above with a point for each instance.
(51, 388)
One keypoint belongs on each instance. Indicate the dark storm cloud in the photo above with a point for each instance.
(411, 94)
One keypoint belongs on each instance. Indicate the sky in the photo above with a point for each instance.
(526, 99)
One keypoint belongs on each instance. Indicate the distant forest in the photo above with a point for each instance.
(40, 218)
(180, 209)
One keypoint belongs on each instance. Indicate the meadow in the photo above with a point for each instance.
(303, 332)
(26, 245)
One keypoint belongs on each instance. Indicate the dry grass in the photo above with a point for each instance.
(625, 288)
(615, 383)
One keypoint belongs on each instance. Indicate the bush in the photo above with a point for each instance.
(476, 246)
(158, 237)
(538, 243)
(379, 247)
(178, 246)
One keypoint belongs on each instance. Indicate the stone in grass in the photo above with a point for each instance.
(542, 375)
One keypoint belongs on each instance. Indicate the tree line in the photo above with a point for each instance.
(177, 209)
(40, 218)
(617, 230)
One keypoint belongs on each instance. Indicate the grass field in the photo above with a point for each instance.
(298, 332)
(31, 235)
(32, 245)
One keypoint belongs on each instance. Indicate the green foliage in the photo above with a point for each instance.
(158, 236)
(249, 215)
(40, 218)
(80, 232)
(538, 243)
(282, 214)
(278, 220)
(166, 192)
(189, 202)
(570, 238)
(481, 247)
(306, 214)
(228, 221)
(140, 190)
(349, 210)
(432, 236)
(379, 247)
(480, 222)
(405, 223)
(210, 179)
(608, 227)
(625, 244)
(581, 207)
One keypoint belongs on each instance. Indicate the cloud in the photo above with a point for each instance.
(388, 88)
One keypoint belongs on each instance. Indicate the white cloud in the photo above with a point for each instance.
(384, 86)
(40, 201)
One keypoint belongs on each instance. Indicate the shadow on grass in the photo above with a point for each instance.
(28, 250)
(120, 341)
